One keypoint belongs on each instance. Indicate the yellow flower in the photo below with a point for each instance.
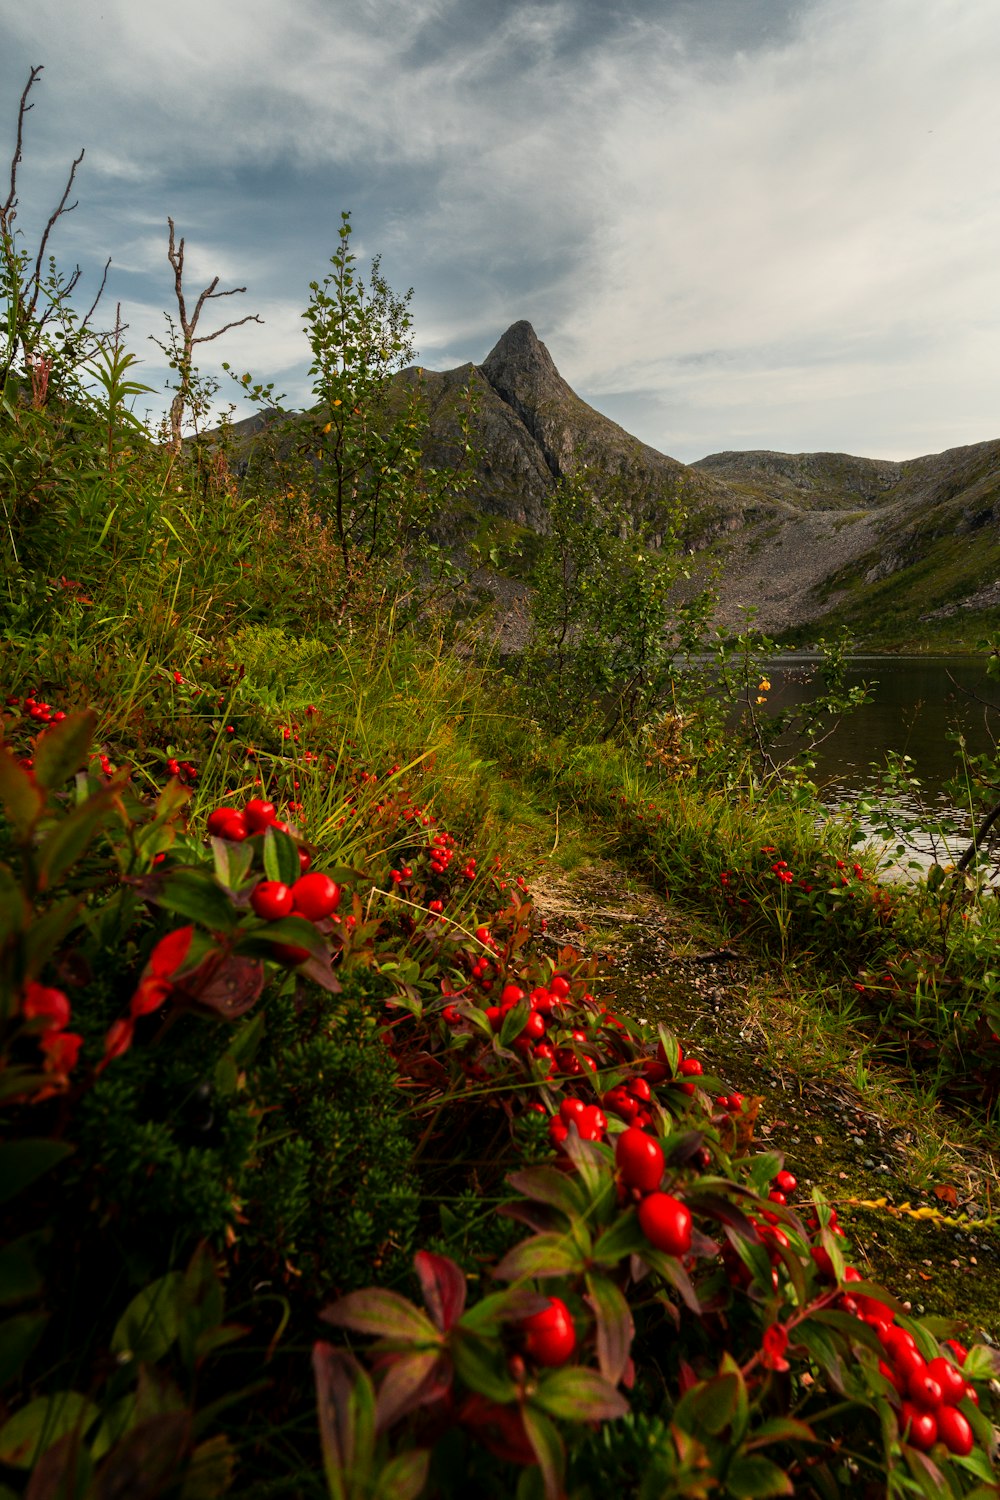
(763, 686)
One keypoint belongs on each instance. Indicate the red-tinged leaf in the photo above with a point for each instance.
(149, 1456)
(548, 1450)
(615, 1329)
(22, 799)
(757, 1478)
(228, 988)
(410, 1381)
(383, 1313)
(544, 1255)
(405, 1475)
(537, 1216)
(714, 1206)
(345, 1403)
(62, 750)
(63, 1473)
(547, 1184)
(319, 969)
(670, 1268)
(579, 1395)
(925, 1471)
(444, 1287)
(780, 1430)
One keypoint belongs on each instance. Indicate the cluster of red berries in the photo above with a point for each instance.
(257, 816)
(184, 770)
(442, 852)
(33, 708)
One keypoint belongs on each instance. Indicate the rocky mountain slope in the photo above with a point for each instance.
(899, 552)
(806, 540)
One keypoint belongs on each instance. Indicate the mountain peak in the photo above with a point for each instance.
(516, 354)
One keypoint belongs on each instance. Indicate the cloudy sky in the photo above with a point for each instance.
(734, 223)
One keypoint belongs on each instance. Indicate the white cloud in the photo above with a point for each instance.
(741, 247)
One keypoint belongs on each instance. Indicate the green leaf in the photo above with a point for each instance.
(481, 1365)
(295, 930)
(193, 894)
(404, 1477)
(547, 1444)
(33, 1429)
(21, 1162)
(546, 1255)
(345, 1403)
(763, 1168)
(579, 1395)
(200, 1305)
(150, 1323)
(18, 1337)
(382, 1313)
(62, 750)
(623, 1237)
(22, 800)
(281, 857)
(756, 1478)
(232, 862)
(513, 1023)
(71, 836)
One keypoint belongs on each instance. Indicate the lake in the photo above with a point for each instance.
(914, 703)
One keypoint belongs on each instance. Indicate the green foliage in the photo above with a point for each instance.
(610, 618)
(331, 1191)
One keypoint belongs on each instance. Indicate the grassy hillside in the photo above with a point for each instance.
(291, 1063)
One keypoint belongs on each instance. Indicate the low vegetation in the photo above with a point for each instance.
(322, 1173)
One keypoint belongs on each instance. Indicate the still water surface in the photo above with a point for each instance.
(915, 702)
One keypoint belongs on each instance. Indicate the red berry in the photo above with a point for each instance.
(666, 1223)
(232, 827)
(271, 900)
(559, 987)
(924, 1389)
(570, 1107)
(920, 1429)
(949, 1378)
(954, 1430)
(217, 819)
(259, 814)
(534, 1026)
(785, 1182)
(316, 896)
(639, 1158)
(549, 1336)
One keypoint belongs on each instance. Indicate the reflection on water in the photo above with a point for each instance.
(916, 705)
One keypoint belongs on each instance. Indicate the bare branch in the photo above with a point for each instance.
(206, 338)
(189, 336)
(57, 213)
(100, 293)
(7, 212)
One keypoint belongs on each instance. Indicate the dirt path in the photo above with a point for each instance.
(853, 1144)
